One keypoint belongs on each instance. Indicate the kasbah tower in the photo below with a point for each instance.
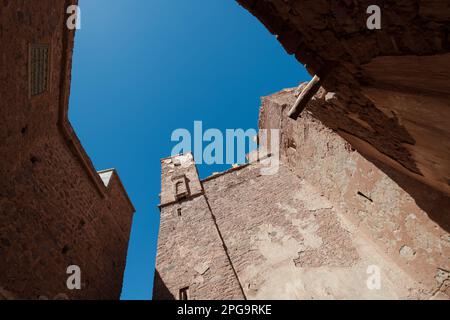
(360, 207)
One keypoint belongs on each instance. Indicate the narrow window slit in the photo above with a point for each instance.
(364, 196)
(184, 293)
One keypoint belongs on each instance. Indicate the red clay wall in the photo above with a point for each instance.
(55, 212)
(406, 219)
(191, 253)
(394, 79)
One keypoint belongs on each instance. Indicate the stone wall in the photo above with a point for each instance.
(319, 31)
(390, 85)
(407, 220)
(191, 253)
(55, 209)
(314, 230)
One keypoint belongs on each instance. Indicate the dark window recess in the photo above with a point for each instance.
(184, 293)
(181, 188)
(179, 212)
(65, 249)
(364, 196)
(34, 159)
(39, 69)
(291, 144)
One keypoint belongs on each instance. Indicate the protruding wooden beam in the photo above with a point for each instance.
(304, 97)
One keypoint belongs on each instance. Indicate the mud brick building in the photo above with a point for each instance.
(55, 209)
(364, 178)
(311, 231)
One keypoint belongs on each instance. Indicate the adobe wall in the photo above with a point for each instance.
(190, 253)
(317, 31)
(394, 79)
(288, 241)
(55, 210)
(314, 230)
(407, 220)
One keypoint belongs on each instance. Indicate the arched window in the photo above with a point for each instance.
(181, 188)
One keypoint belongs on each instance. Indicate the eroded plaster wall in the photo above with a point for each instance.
(407, 220)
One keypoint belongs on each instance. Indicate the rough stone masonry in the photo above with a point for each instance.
(55, 209)
(312, 231)
(390, 86)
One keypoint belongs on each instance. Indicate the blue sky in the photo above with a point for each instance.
(143, 68)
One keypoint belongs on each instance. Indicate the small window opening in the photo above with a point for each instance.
(181, 188)
(179, 212)
(176, 162)
(184, 293)
(364, 196)
(65, 249)
(34, 159)
(291, 143)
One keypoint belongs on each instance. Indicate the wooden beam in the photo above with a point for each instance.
(304, 97)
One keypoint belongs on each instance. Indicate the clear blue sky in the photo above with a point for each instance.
(143, 68)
